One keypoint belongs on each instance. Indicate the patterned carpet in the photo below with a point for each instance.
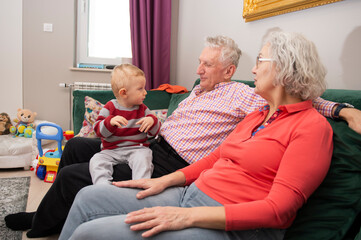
(13, 198)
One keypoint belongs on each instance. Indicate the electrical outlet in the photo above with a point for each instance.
(48, 27)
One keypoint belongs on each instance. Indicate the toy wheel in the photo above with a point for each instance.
(41, 172)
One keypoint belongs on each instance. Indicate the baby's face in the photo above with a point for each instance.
(136, 91)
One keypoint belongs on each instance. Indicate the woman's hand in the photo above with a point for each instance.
(152, 186)
(159, 219)
(155, 185)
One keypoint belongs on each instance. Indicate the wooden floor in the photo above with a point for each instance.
(37, 190)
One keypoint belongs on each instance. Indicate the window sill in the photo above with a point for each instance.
(90, 70)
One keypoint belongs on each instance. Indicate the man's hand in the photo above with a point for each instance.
(145, 124)
(353, 117)
(118, 121)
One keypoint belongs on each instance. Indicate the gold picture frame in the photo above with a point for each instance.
(259, 9)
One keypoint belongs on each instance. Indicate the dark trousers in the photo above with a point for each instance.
(73, 175)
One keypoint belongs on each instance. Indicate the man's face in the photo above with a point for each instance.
(210, 69)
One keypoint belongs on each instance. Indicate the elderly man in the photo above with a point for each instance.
(199, 124)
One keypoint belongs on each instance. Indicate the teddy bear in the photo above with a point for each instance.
(5, 123)
(24, 123)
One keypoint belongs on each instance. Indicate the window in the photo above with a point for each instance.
(103, 33)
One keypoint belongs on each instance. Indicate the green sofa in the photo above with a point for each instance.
(334, 210)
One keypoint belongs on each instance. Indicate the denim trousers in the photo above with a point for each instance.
(99, 211)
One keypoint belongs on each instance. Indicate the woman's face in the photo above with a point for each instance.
(265, 73)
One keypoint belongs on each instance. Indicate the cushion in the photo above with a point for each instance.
(175, 100)
(161, 114)
(333, 207)
(92, 109)
(102, 96)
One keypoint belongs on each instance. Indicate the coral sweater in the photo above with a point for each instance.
(263, 180)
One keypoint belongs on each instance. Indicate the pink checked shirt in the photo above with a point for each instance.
(204, 119)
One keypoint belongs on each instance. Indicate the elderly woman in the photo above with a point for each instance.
(251, 186)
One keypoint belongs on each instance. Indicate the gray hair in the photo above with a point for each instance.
(298, 65)
(230, 53)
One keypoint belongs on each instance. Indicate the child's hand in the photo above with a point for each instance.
(145, 124)
(119, 121)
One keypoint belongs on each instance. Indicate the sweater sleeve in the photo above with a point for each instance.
(193, 171)
(154, 130)
(102, 126)
(302, 169)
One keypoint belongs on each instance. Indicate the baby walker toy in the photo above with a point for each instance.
(48, 163)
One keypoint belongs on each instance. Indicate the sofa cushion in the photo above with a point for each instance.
(161, 114)
(92, 109)
(103, 96)
(333, 207)
(175, 100)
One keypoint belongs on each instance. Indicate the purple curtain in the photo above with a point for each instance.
(150, 24)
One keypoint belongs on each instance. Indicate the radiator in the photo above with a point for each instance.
(86, 86)
(81, 86)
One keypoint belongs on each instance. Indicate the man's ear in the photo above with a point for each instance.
(122, 92)
(230, 70)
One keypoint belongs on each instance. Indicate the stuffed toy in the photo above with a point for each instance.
(5, 123)
(24, 123)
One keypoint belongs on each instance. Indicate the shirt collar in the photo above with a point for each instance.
(198, 90)
(290, 108)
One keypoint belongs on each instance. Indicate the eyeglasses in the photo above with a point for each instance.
(259, 59)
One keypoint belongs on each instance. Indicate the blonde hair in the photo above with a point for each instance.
(230, 53)
(122, 75)
(298, 65)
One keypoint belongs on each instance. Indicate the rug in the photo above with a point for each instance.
(13, 198)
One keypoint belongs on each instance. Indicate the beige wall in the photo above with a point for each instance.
(335, 28)
(11, 97)
(47, 57)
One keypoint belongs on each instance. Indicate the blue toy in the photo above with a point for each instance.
(49, 162)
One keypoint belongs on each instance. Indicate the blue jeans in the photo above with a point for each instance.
(99, 211)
